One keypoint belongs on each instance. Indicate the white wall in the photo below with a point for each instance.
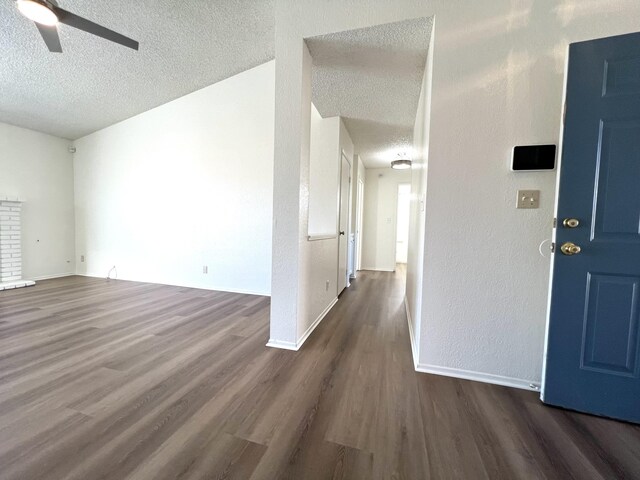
(380, 212)
(321, 290)
(39, 169)
(496, 85)
(319, 260)
(289, 270)
(497, 82)
(305, 272)
(419, 167)
(321, 255)
(184, 185)
(329, 137)
(324, 173)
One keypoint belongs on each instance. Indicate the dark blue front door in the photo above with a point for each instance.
(593, 343)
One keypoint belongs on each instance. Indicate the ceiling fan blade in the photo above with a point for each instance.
(88, 26)
(50, 37)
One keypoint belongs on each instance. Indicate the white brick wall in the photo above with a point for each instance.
(10, 241)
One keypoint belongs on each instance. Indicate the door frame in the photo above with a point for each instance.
(359, 224)
(395, 248)
(347, 231)
(555, 216)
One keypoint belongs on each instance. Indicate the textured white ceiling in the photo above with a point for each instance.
(184, 46)
(372, 77)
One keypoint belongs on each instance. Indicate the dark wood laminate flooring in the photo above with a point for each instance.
(123, 380)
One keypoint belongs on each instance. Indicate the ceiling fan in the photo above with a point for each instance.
(47, 14)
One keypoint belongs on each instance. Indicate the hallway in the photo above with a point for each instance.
(115, 380)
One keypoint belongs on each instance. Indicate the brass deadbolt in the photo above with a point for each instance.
(570, 222)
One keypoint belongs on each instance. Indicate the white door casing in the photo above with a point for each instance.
(343, 224)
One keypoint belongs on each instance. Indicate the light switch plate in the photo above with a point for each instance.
(528, 199)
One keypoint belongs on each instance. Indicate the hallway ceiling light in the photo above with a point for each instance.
(401, 163)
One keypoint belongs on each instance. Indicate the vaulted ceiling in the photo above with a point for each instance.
(372, 78)
(184, 46)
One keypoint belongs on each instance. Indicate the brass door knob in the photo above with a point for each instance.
(570, 248)
(570, 222)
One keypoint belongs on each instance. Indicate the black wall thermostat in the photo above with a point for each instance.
(531, 158)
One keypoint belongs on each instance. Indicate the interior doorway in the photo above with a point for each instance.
(359, 216)
(344, 221)
(402, 223)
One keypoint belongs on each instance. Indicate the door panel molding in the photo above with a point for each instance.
(610, 341)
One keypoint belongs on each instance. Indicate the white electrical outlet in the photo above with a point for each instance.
(205, 269)
(82, 258)
(326, 287)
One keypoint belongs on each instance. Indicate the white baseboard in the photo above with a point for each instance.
(414, 350)
(479, 377)
(283, 345)
(375, 269)
(464, 374)
(316, 322)
(55, 275)
(296, 346)
(184, 285)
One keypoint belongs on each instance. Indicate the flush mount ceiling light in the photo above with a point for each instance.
(401, 163)
(38, 11)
